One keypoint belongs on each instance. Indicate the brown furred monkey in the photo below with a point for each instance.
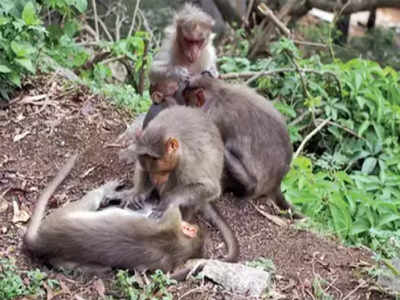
(258, 151)
(181, 154)
(186, 50)
(79, 235)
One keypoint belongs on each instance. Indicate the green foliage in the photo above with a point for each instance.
(156, 289)
(349, 179)
(21, 39)
(319, 286)
(125, 96)
(67, 7)
(353, 206)
(13, 284)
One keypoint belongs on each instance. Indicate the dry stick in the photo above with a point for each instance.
(266, 31)
(247, 16)
(110, 38)
(309, 136)
(143, 68)
(361, 285)
(306, 43)
(96, 24)
(112, 59)
(274, 219)
(117, 27)
(266, 11)
(134, 17)
(348, 130)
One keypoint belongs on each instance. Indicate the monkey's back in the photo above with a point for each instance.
(252, 123)
(114, 238)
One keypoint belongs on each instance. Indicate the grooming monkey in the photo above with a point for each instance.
(80, 235)
(258, 151)
(180, 153)
(186, 50)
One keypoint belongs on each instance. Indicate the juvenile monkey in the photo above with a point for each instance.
(81, 235)
(258, 151)
(186, 50)
(181, 154)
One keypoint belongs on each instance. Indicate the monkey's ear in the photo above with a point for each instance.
(200, 97)
(171, 145)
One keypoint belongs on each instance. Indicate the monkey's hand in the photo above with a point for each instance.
(137, 202)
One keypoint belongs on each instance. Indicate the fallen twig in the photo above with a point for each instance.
(274, 219)
(96, 24)
(266, 11)
(134, 17)
(309, 136)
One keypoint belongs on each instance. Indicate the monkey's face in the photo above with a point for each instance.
(192, 38)
(194, 97)
(160, 90)
(159, 167)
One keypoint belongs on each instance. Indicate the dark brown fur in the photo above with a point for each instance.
(80, 235)
(258, 151)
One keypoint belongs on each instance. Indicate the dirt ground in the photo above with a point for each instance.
(50, 119)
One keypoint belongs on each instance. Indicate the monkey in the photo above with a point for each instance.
(80, 235)
(187, 49)
(257, 151)
(181, 154)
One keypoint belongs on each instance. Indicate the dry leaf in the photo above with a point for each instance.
(99, 286)
(19, 137)
(19, 215)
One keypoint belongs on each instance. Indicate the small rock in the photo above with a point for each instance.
(238, 278)
(388, 278)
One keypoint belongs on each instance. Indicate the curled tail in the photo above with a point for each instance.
(40, 207)
(211, 212)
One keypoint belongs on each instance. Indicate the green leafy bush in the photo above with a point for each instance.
(156, 289)
(13, 284)
(348, 179)
(21, 39)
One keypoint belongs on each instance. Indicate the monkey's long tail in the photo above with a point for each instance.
(40, 207)
(231, 242)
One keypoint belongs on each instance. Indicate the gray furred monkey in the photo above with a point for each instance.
(81, 235)
(258, 151)
(181, 154)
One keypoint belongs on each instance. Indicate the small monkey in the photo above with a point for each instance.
(81, 235)
(186, 50)
(181, 155)
(257, 151)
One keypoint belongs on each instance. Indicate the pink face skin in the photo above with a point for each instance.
(192, 40)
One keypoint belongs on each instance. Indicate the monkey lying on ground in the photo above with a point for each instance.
(186, 50)
(180, 153)
(258, 151)
(81, 235)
